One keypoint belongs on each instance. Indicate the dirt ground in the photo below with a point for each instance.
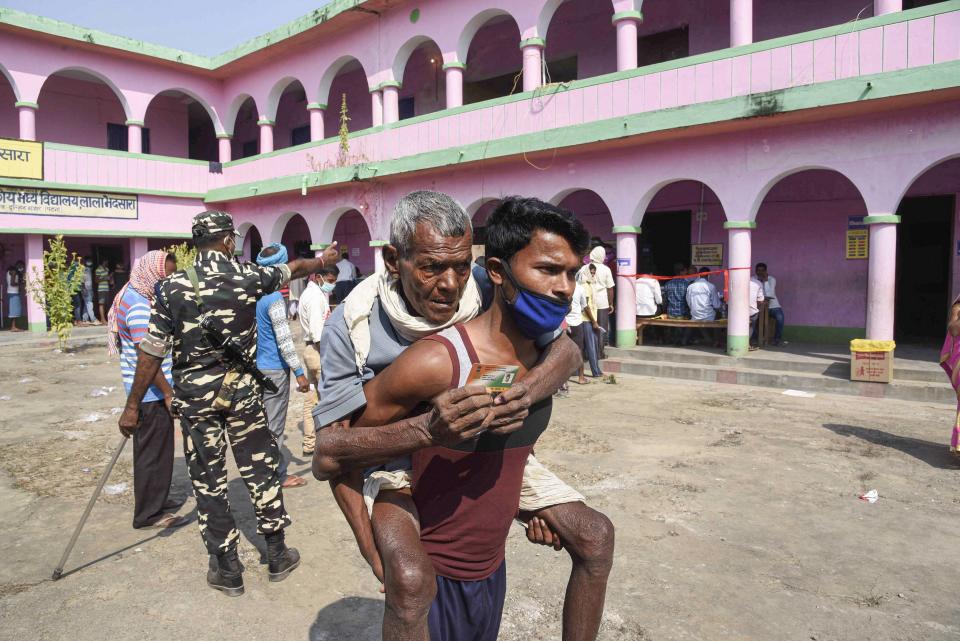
(736, 511)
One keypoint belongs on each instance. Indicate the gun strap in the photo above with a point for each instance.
(195, 281)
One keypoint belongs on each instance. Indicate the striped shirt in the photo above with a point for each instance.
(133, 317)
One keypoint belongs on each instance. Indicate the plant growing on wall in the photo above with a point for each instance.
(344, 130)
(185, 253)
(54, 287)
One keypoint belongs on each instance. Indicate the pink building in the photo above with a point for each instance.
(782, 131)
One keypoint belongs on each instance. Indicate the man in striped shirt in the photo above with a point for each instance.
(153, 440)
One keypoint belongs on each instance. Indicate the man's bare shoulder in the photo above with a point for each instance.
(420, 373)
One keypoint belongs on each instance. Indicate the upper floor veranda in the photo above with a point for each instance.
(439, 82)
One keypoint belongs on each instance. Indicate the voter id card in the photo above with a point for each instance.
(496, 378)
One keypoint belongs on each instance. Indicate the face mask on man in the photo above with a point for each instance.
(535, 314)
(327, 288)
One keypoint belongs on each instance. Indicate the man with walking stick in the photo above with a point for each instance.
(206, 315)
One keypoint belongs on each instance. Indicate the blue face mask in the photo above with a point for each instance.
(535, 314)
(327, 288)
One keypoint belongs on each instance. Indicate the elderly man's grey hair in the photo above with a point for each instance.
(436, 209)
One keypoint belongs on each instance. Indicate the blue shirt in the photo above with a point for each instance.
(133, 317)
(675, 297)
(268, 350)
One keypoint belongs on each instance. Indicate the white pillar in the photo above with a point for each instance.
(627, 23)
(532, 49)
(626, 285)
(453, 72)
(378, 245)
(138, 247)
(741, 22)
(376, 107)
(36, 317)
(266, 135)
(738, 295)
(881, 7)
(881, 276)
(391, 101)
(316, 110)
(224, 147)
(28, 119)
(135, 136)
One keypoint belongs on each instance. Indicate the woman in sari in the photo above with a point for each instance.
(950, 362)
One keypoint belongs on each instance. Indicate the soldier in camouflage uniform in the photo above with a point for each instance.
(215, 400)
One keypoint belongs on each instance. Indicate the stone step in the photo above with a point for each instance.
(903, 390)
(838, 367)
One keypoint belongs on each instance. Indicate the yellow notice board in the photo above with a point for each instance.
(706, 255)
(21, 159)
(858, 245)
(52, 202)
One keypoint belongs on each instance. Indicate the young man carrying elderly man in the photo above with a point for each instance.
(455, 465)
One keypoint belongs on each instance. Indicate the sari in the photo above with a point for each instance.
(950, 362)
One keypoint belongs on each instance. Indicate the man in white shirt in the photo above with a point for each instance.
(314, 308)
(580, 308)
(603, 294)
(770, 293)
(649, 296)
(348, 274)
(704, 301)
(756, 297)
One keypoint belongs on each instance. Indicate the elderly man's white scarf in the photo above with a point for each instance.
(359, 304)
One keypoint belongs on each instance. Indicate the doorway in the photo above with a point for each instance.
(924, 240)
(664, 241)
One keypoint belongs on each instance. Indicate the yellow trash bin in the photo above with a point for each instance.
(871, 361)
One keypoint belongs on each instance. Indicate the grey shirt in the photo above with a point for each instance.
(341, 385)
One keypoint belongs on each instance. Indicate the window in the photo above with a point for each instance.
(299, 135)
(249, 148)
(663, 46)
(407, 108)
(118, 138)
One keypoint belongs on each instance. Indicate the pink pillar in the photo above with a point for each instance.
(627, 23)
(316, 120)
(741, 22)
(454, 78)
(738, 295)
(36, 317)
(28, 120)
(378, 255)
(881, 7)
(626, 285)
(882, 276)
(223, 142)
(135, 136)
(532, 49)
(138, 247)
(266, 135)
(391, 102)
(376, 107)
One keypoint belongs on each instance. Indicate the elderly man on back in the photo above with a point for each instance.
(432, 289)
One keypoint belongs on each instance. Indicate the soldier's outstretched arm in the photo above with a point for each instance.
(301, 267)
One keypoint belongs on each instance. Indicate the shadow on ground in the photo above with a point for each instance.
(933, 454)
(354, 618)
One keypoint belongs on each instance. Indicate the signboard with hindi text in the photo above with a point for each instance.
(21, 159)
(858, 244)
(54, 202)
(706, 255)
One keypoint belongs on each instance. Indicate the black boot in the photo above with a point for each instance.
(282, 560)
(226, 573)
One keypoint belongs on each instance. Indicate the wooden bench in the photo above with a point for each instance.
(663, 321)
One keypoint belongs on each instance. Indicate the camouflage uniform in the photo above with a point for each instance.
(229, 291)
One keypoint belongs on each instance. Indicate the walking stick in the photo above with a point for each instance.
(93, 499)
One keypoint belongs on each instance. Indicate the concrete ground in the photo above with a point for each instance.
(736, 511)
